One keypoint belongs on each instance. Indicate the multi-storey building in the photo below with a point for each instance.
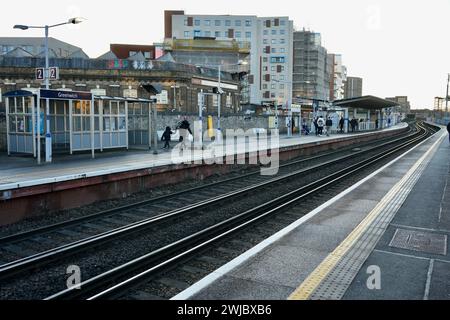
(310, 72)
(402, 102)
(353, 87)
(269, 39)
(338, 77)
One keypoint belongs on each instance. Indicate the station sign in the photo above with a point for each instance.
(53, 73)
(65, 95)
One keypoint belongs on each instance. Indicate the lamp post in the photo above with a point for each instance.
(175, 87)
(219, 90)
(48, 136)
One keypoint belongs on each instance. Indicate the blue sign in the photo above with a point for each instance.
(65, 95)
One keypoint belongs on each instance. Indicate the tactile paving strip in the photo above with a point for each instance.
(331, 279)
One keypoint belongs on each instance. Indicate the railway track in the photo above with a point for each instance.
(174, 252)
(31, 242)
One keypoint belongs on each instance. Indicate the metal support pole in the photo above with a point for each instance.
(289, 111)
(48, 136)
(446, 96)
(155, 130)
(219, 132)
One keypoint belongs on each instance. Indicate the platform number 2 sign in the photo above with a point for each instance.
(53, 73)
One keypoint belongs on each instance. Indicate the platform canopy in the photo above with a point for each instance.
(366, 102)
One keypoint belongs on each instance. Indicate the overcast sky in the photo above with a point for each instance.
(398, 47)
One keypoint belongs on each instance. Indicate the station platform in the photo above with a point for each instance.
(71, 181)
(386, 237)
(18, 172)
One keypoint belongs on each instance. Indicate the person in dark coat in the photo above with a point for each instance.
(448, 129)
(341, 125)
(316, 127)
(184, 128)
(166, 137)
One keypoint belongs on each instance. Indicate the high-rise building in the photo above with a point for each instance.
(269, 39)
(337, 77)
(353, 87)
(402, 102)
(310, 72)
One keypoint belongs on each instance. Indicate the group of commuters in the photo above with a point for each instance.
(322, 126)
(183, 127)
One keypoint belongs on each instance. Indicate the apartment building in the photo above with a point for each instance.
(402, 102)
(353, 87)
(338, 77)
(311, 75)
(269, 39)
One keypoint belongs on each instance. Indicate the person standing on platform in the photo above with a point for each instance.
(341, 125)
(376, 124)
(316, 127)
(329, 124)
(320, 125)
(166, 137)
(185, 129)
(448, 129)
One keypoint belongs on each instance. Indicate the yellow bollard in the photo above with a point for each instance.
(210, 127)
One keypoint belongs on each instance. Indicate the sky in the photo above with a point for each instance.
(398, 47)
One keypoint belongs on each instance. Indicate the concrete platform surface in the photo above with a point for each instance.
(386, 237)
(17, 172)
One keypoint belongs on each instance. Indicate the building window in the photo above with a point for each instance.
(273, 68)
(186, 34)
(264, 86)
(185, 22)
(227, 23)
(225, 34)
(274, 32)
(197, 33)
(282, 22)
(274, 41)
(273, 86)
(281, 86)
(272, 95)
(265, 59)
(238, 34)
(217, 34)
(265, 41)
(264, 68)
(266, 32)
(237, 23)
(282, 31)
(217, 23)
(281, 94)
(248, 23)
(274, 50)
(196, 22)
(248, 35)
(207, 23)
(282, 50)
(277, 60)
(281, 77)
(207, 33)
(282, 41)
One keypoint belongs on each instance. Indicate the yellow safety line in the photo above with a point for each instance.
(310, 284)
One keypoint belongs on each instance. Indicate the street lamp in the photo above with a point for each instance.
(175, 87)
(48, 137)
(240, 63)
